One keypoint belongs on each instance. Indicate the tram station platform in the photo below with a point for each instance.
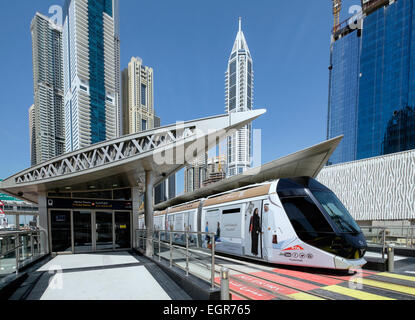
(252, 280)
(103, 276)
(128, 275)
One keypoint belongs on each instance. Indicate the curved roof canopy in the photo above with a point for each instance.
(305, 163)
(123, 162)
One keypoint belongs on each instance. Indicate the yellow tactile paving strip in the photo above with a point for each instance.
(353, 293)
(389, 286)
(396, 276)
(304, 296)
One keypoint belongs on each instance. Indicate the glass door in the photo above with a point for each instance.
(61, 231)
(104, 230)
(122, 230)
(82, 226)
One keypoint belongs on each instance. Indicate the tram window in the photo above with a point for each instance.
(230, 211)
(339, 214)
(307, 220)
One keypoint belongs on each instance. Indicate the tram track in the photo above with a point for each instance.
(198, 256)
(364, 283)
(256, 287)
(355, 281)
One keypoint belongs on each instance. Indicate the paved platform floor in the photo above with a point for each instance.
(65, 262)
(105, 276)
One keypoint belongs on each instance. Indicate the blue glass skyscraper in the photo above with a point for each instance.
(372, 83)
(91, 72)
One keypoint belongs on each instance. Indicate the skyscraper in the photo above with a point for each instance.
(372, 82)
(138, 97)
(195, 174)
(91, 66)
(239, 82)
(138, 113)
(47, 114)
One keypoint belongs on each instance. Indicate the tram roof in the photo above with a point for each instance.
(238, 195)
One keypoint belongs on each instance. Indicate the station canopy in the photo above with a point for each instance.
(123, 162)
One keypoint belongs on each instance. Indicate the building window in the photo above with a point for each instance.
(144, 95)
(143, 125)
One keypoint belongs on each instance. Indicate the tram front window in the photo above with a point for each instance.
(337, 212)
(307, 220)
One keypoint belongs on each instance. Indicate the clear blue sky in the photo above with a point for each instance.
(188, 43)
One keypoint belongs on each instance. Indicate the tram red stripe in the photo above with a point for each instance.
(309, 276)
(266, 284)
(246, 290)
(300, 285)
(249, 292)
(367, 272)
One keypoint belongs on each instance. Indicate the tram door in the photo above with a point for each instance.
(253, 228)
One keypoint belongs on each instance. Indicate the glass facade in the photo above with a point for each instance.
(96, 71)
(344, 94)
(372, 86)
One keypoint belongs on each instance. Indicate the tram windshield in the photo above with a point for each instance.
(337, 211)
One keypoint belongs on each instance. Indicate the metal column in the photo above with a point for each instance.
(391, 258)
(148, 203)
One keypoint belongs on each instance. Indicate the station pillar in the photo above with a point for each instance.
(136, 197)
(148, 205)
(44, 222)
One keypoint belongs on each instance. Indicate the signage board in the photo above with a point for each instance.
(59, 203)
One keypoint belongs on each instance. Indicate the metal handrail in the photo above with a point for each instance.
(186, 248)
(15, 237)
(20, 246)
(381, 233)
(392, 228)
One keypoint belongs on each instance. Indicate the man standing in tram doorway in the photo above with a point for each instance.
(255, 230)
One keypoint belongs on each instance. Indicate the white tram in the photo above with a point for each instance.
(294, 221)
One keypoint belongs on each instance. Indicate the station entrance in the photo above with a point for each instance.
(85, 226)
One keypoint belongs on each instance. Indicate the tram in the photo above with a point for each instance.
(294, 221)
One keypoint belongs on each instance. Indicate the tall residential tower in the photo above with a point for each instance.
(91, 66)
(138, 97)
(239, 81)
(138, 113)
(47, 114)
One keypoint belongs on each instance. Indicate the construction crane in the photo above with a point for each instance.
(337, 7)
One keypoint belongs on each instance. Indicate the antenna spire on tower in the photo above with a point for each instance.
(240, 24)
